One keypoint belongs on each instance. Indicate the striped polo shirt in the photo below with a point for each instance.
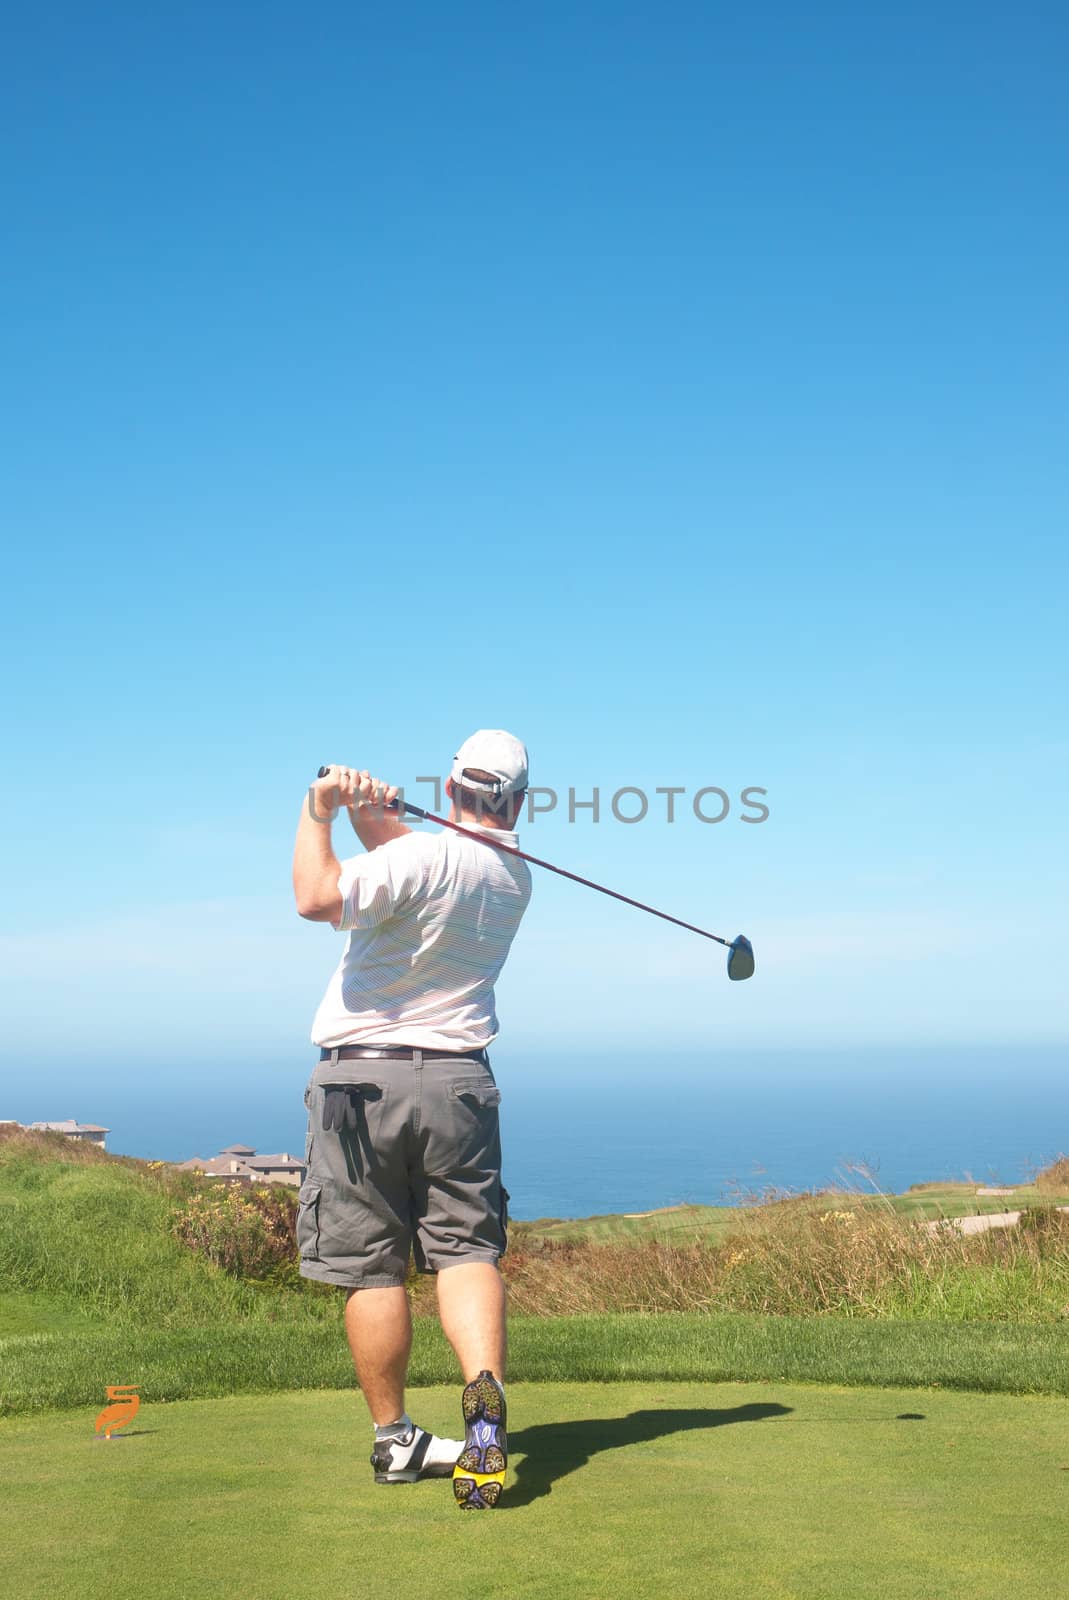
(430, 919)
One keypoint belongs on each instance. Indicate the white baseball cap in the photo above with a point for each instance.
(492, 750)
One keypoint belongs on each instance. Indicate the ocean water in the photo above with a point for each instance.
(659, 1133)
(594, 1134)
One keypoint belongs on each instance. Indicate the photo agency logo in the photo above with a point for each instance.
(629, 803)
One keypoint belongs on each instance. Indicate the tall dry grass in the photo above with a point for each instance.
(1054, 1179)
(36, 1145)
(833, 1255)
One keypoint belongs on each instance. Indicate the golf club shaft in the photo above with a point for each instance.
(536, 861)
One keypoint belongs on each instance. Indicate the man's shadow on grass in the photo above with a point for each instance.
(554, 1449)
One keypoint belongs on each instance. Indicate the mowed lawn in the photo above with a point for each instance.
(624, 1490)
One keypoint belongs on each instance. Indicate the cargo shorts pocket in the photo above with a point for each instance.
(460, 1132)
(308, 1220)
(505, 1198)
(477, 1092)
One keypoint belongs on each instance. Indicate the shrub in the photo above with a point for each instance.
(250, 1232)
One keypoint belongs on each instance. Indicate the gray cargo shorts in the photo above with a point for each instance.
(421, 1171)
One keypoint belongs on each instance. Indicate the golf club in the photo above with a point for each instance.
(739, 949)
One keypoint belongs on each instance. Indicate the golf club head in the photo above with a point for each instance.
(740, 958)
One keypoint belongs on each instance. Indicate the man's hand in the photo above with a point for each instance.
(372, 794)
(353, 788)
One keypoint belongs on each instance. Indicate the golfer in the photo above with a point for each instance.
(403, 1148)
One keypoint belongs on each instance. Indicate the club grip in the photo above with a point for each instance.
(392, 805)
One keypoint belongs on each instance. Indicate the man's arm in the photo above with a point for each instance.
(315, 866)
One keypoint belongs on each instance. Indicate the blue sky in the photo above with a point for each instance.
(681, 389)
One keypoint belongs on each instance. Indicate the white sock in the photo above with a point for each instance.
(395, 1430)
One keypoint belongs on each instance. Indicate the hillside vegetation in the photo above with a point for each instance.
(113, 1266)
(115, 1241)
(88, 1238)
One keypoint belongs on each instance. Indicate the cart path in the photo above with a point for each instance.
(980, 1223)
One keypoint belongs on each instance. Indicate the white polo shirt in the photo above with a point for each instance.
(430, 919)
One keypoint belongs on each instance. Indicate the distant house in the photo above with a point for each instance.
(91, 1132)
(222, 1167)
(281, 1168)
(239, 1163)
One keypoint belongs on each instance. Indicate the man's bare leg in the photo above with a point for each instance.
(471, 1305)
(379, 1328)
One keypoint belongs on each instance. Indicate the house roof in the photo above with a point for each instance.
(239, 1150)
(69, 1126)
(224, 1166)
(231, 1164)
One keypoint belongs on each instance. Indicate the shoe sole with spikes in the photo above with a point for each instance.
(479, 1474)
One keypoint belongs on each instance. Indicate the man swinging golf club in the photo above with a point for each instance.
(403, 1147)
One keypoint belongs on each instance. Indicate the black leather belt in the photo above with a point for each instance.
(359, 1052)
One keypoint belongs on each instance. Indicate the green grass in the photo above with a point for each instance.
(40, 1313)
(49, 1371)
(756, 1492)
(680, 1224)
